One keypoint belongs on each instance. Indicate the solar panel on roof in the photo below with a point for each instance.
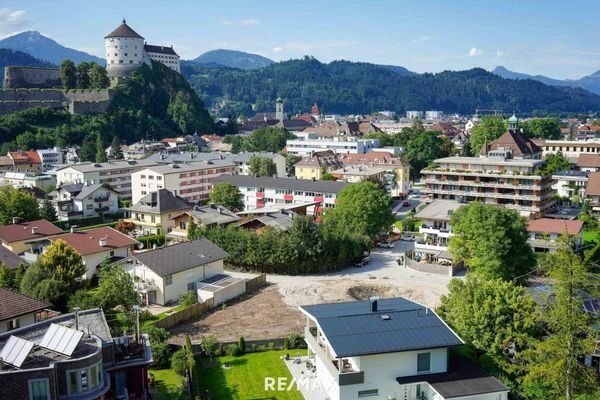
(61, 339)
(16, 350)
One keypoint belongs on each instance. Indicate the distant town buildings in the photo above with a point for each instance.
(338, 144)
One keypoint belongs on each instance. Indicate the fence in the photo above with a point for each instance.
(276, 343)
(256, 283)
(184, 315)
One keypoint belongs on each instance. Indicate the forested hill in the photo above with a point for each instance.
(349, 87)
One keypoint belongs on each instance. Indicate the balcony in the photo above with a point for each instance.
(101, 199)
(69, 213)
(430, 230)
(102, 209)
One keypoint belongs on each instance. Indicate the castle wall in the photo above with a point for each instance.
(76, 101)
(31, 77)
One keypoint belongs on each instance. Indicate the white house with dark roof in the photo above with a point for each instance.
(81, 200)
(153, 214)
(166, 273)
(389, 349)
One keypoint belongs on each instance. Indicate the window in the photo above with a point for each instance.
(84, 380)
(191, 287)
(39, 389)
(89, 206)
(168, 280)
(13, 324)
(423, 362)
(368, 393)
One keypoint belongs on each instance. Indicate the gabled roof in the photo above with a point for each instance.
(588, 160)
(89, 189)
(123, 31)
(25, 157)
(71, 187)
(13, 304)
(593, 185)
(280, 220)
(25, 231)
(212, 214)
(150, 48)
(181, 257)
(10, 259)
(399, 324)
(89, 242)
(160, 202)
(559, 226)
(514, 140)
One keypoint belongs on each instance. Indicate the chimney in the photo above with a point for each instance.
(102, 241)
(73, 228)
(373, 300)
(15, 220)
(34, 230)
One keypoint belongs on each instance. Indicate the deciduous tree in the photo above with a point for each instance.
(489, 129)
(228, 196)
(262, 166)
(68, 74)
(17, 203)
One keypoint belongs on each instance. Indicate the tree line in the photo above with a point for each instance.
(85, 75)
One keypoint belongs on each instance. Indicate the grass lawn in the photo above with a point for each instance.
(591, 235)
(245, 379)
(168, 384)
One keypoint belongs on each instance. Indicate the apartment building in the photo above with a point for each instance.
(80, 200)
(388, 349)
(192, 181)
(73, 356)
(259, 192)
(507, 174)
(397, 172)
(21, 161)
(339, 144)
(316, 164)
(50, 158)
(115, 173)
(571, 149)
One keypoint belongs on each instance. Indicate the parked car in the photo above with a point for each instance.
(385, 244)
(406, 204)
(407, 237)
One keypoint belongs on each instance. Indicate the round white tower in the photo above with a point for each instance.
(124, 51)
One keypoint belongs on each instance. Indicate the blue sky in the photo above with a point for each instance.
(554, 38)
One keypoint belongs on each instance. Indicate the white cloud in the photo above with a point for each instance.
(500, 53)
(246, 21)
(277, 49)
(12, 21)
(474, 52)
(250, 21)
(422, 39)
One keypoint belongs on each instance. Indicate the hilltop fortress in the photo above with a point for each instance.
(126, 50)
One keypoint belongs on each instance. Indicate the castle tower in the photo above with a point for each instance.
(279, 114)
(513, 123)
(124, 51)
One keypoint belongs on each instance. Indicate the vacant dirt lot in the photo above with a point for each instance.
(261, 316)
(272, 312)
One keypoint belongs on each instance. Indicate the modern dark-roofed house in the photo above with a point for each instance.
(390, 349)
(207, 217)
(17, 310)
(166, 273)
(153, 214)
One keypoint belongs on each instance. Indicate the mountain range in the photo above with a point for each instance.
(590, 82)
(46, 49)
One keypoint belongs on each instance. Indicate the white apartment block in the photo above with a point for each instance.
(259, 192)
(434, 114)
(115, 173)
(50, 158)
(191, 181)
(571, 149)
(339, 144)
(414, 114)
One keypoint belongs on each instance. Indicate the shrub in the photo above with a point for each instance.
(156, 335)
(150, 240)
(161, 355)
(271, 346)
(188, 299)
(286, 343)
(232, 350)
(179, 362)
(295, 340)
(242, 345)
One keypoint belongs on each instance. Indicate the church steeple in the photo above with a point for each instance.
(513, 123)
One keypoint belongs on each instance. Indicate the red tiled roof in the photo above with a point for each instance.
(373, 157)
(548, 225)
(515, 141)
(593, 185)
(13, 304)
(589, 160)
(25, 157)
(88, 242)
(24, 231)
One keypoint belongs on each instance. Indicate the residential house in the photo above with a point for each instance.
(592, 191)
(445, 128)
(17, 310)
(73, 356)
(205, 217)
(396, 172)
(166, 273)
(507, 173)
(95, 246)
(11, 260)
(358, 173)
(26, 161)
(390, 349)
(281, 220)
(192, 181)
(175, 144)
(316, 164)
(544, 233)
(570, 183)
(20, 237)
(589, 162)
(264, 191)
(82, 200)
(153, 214)
(117, 174)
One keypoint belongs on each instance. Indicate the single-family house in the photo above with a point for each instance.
(81, 200)
(588, 162)
(166, 273)
(11, 260)
(316, 164)
(205, 217)
(154, 213)
(17, 310)
(390, 349)
(281, 220)
(20, 237)
(592, 191)
(544, 233)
